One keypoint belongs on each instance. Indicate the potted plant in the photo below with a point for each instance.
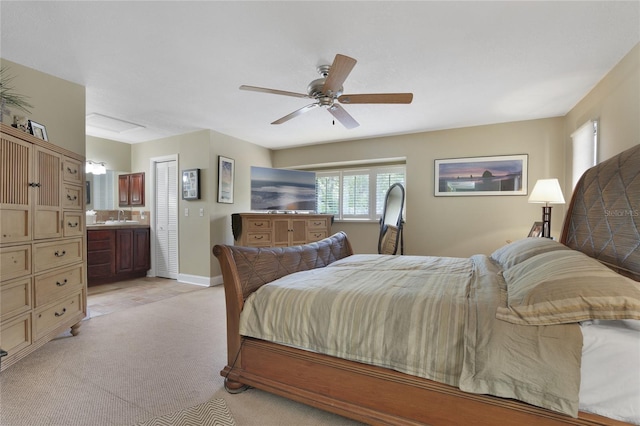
(9, 98)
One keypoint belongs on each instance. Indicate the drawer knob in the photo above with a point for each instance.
(73, 172)
(59, 314)
(70, 198)
(258, 237)
(259, 224)
(72, 225)
(60, 254)
(60, 284)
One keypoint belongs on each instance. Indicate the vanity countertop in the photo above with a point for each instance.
(116, 225)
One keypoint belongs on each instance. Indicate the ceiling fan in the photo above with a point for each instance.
(328, 89)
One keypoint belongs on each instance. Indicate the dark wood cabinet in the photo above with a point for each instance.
(131, 190)
(117, 254)
(101, 247)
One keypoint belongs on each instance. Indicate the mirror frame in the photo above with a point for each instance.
(398, 223)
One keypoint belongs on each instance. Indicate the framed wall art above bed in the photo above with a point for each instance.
(498, 175)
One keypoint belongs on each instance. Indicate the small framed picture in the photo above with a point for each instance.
(226, 170)
(536, 230)
(191, 184)
(38, 130)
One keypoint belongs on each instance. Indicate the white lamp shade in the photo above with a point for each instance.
(547, 191)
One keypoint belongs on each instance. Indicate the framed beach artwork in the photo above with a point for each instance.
(498, 175)
(226, 170)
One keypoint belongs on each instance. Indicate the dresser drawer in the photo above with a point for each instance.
(320, 223)
(316, 235)
(100, 240)
(256, 239)
(72, 197)
(54, 285)
(56, 253)
(16, 333)
(258, 224)
(72, 225)
(15, 297)
(72, 170)
(15, 261)
(56, 314)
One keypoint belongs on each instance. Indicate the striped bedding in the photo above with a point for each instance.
(432, 317)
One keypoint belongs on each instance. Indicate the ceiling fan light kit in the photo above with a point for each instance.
(328, 89)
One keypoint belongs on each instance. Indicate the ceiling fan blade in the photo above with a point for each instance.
(295, 113)
(273, 91)
(377, 98)
(338, 73)
(343, 116)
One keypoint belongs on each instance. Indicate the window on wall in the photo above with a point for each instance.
(356, 193)
(585, 149)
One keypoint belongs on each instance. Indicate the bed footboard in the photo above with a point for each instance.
(246, 269)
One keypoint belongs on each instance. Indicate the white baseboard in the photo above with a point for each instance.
(199, 280)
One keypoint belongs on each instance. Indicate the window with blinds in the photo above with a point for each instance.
(585, 149)
(356, 193)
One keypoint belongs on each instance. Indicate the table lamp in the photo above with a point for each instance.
(546, 191)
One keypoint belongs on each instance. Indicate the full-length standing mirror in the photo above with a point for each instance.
(391, 221)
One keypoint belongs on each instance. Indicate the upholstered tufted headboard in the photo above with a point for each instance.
(603, 219)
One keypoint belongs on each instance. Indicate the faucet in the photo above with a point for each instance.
(124, 217)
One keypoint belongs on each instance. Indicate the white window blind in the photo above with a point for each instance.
(585, 149)
(356, 193)
(328, 193)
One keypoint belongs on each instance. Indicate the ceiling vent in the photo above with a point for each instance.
(103, 122)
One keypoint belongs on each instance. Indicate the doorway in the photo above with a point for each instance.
(164, 217)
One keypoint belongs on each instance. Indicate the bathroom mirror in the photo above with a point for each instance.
(104, 191)
(391, 221)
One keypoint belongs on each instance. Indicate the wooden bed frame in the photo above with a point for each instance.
(607, 198)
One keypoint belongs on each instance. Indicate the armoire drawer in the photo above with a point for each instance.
(15, 261)
(72, 197)
(57, 253)
(15, 297)
(54, 285)
(72, 170)
(16, 333)
(56, 314)
(72, 225)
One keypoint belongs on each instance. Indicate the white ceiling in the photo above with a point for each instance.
(175, 67)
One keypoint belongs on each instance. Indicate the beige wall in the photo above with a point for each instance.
(58, 104)
(451, 226)
(198, 234)
(115, 155)
(615, 102)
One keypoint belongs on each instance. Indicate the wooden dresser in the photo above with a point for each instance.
(43, 278)
(279, 230)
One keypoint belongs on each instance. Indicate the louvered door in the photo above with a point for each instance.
(15, 220)
(166, 227)
(47, 201)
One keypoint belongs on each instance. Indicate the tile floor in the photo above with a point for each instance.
(107, 298)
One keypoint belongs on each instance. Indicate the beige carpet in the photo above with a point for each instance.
(211, 413)
(129, 366)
